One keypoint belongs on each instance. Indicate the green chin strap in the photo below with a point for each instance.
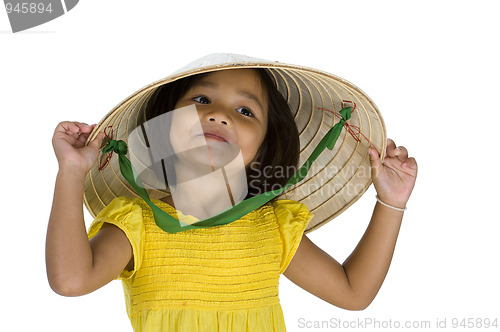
(171, 225)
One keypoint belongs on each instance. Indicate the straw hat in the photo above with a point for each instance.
(336, 180)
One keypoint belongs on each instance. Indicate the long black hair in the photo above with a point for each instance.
(279, 152)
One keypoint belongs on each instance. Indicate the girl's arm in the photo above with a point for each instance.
(354, 284)
(76, 266)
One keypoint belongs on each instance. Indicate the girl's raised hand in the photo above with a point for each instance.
(393, 179)
(69, 145)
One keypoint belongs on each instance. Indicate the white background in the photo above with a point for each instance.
(432, 67)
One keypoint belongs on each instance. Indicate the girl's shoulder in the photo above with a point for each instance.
(292, 218)
(121, 207)
(289, 212)
(290, 206)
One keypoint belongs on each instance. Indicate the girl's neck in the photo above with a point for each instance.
(207, 195)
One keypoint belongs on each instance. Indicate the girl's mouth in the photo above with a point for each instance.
(215, 137)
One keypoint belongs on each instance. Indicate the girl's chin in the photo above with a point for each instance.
(204, 160)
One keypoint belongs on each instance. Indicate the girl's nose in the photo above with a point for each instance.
(217, 115)
(212, 118)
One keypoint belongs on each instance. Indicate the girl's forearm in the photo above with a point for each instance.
(368, 264)
(68, 253)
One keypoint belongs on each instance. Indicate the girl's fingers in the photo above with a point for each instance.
(83, 138)
(396, 151)
(64, 126)
(410, 163)
(74, 128)
(391, 147)
(401, 153)
(374, 160)
(83, 127)
(98, 140)
(74, 132)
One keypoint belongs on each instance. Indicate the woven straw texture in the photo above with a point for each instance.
(337, 178)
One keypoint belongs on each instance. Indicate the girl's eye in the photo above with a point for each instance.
(245, 111)
(202, 100)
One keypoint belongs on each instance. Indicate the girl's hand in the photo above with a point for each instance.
(69, 145)
(393, 179)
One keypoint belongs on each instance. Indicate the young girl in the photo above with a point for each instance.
(225, 277)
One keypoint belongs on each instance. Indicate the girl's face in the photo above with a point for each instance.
(232, 109)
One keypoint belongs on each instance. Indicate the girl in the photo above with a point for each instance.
(221, 278)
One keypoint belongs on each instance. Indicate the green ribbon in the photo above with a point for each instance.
(171, 225)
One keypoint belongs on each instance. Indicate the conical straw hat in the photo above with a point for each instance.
(337, 178)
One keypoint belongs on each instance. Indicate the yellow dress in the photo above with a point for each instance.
(223, 278)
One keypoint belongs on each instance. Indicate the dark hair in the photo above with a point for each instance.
(280, 148)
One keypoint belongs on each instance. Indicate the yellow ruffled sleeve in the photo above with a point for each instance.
(126, 214)
(293, 218)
